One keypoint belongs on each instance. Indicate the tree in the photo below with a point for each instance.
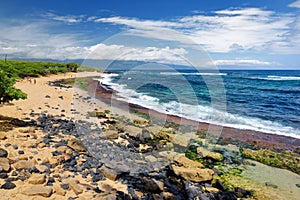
(7, 90)
(72, 67)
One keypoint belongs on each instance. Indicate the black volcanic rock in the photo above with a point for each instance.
(3, 153)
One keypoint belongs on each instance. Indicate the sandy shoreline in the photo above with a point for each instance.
(60, 170)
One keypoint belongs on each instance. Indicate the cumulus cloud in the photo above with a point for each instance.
(151, 54)
(295, 4)
(33, 40)
(228, 30)
(225, 31)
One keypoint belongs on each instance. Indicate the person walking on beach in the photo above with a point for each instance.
(34, 81)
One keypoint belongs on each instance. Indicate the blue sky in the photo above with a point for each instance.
(234, 34)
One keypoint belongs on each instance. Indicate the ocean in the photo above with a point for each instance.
(261, 100)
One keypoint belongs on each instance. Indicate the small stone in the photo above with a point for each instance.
(3, 175)
(297, 185)
(2, 136)
(14, 173)
(64, 186)
(37, 179)
(32, 190)
(58, 190)
(22, 178)
(74, 185)
(23, 164)
(3, 153)
(211, 189)
(11, 179)
(7, 145)
(209, 154)
(21, 152)
(41, 168)
(109, 134)
(269, 184)
(15, 146)
(77, 145)
(8, 186)
(169, 196)
(51, 180)
(109, 173)
(41, 145)
(4, 165)
(152, 185)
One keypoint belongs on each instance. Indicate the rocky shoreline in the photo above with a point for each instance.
(86, 152)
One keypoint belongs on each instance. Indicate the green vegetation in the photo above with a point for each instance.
(107, 111)
(88, 69)
(21, 69)
(11, 70)
(7, 90)
(159, 138)
(284, 160)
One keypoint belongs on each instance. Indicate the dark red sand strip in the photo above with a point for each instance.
(255, 138)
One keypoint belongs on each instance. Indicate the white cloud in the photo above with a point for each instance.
(150, 54)
(227, 30)
(33, 40)
(295, 4)
(252, 29)
(71, 19)
(136, 23)
(242, 62)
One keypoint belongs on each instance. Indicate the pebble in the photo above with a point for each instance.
(8, 186)
(3, 175)
(3, 153)
(64, 186)
(21, 152)
(14, 173)
(11, 179)
(7, 145)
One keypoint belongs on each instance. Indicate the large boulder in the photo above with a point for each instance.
(77, 145)
(74, 185)
(4, 165)
(113, 171)
(209, 154)
(183, 161)
(37, 179)
(33, 190)
(193, 174)
(109, 134)
(133, 131)
(23, 164)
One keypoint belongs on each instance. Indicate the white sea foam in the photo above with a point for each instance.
(284, 78)
(196, 73)
(199, 112)
(277, 78)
